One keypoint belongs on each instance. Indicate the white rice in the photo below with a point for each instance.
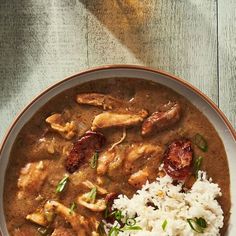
(171, 204)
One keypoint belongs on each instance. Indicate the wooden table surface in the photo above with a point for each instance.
(41, 42)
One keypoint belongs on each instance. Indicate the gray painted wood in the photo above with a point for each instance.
(227, 58)
(41, 42)
(176, 36)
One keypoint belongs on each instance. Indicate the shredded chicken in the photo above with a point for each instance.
(99, 189)
(120, 141)
(98, 99)
(110, 159)
(32, 177)
(137, 151)
(37, 218)
(98, 206)
(110, 119)
(66, 129)
(139, 178)
(78, 222)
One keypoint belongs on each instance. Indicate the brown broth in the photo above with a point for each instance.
(145, 95)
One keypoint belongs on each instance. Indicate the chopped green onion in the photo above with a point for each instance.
(118, 215)
(197, 165)
(62, 183)
(130, 222)
(92, 194)
(134, 227)
(94, 160)
(106, 212)
(201, 222)
(164, 224)
(101, 229)
(197, 224)
(114, 231)
(201, 142)
(72, 208)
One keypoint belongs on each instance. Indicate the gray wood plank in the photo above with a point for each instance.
(227, 58)
(41, 42)
(177, 36)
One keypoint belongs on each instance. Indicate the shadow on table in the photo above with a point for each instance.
(159, 33)
(127, 20)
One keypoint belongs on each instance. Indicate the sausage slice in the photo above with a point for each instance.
(178, 159)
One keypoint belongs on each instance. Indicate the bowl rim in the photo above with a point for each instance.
(121, 66)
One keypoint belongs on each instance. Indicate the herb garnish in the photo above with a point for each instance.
(62, 183)
(92, 194)
(114, 231)
(101, 229)
(72, 208)
(130, 221)
(164, 224)
(197, 165)
(197, 224)
(94, 160)
(201, 142)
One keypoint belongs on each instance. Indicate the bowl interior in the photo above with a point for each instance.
(201, 102)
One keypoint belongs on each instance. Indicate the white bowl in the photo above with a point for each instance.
(202, 102)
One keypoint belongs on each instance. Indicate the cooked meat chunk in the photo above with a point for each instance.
(83, 149)
(96, 206)
(110, 119)
(138, 150)
(178, 159)
(37, 218)
(110, 159)
(90, 185)
(62, 232)
(98, 99)
(138, 179)
(66, 129)
(32, 177)
(78, 222)
(167, 116)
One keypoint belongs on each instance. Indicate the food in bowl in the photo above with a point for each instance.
(117, 157)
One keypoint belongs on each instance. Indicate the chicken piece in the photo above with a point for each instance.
(65, 129)
(31, 179)
(137, 151)
(138, 179)
(98, 99)
(62, 232)
(110, 159)
(167, 116)
(90, 185)
(37, 218)
(78, 222)
(110, 119)
(89, 201)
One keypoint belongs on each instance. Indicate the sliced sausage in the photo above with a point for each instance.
(178, 159)
(167, 116)
(84, 148)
